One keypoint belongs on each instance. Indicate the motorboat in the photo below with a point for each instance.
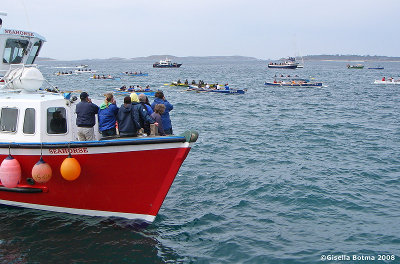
(45, 167)
(289, 63)
(167, 63)
(376, 68)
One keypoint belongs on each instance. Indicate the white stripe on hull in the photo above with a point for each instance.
(95, 150)
(147, 218)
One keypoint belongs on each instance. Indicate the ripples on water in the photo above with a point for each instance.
(278, 175)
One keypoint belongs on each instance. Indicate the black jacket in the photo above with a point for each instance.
(86, 114)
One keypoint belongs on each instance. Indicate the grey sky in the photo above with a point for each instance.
(88, 29)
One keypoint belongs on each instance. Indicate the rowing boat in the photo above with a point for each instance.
(147, 93)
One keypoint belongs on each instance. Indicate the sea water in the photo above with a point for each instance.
(278, 175)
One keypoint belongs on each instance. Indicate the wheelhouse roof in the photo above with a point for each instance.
(21, 33)
(30, 97)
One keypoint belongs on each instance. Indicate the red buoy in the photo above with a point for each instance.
(41, 171)
(10, 172)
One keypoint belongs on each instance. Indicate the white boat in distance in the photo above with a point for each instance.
(387, 81)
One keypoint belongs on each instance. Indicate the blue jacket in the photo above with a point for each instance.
(166, 120)
(86, 114)
(128, 120)
(107, 116)
(148, 108)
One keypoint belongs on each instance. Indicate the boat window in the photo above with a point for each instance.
(14, 50)
(56, 122)
(34, 52)
(8, 119)
(29, 121)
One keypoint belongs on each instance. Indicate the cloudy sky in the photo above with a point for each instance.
(88, 29)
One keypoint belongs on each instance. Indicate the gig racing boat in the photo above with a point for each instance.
(166, 64)
(136, 74)
(44, 166)
(216, 90)
(104, 77)
(292, 81)
(128, 92)
(357, 66)
(387, 81)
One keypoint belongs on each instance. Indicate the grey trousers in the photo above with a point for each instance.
(86, 134)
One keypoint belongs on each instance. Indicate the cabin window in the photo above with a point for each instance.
(14, 50)
(34, 52)
(8, 119)
(56, 122)
(29, 121)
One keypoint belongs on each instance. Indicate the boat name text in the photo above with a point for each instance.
(67, 151)
(18, 32)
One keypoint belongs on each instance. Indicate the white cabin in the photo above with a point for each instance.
(165, 62)
(33, 118)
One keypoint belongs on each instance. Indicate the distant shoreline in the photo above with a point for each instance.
(334, 58)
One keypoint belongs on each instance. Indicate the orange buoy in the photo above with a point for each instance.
(41, 171)
(70, 168)
(10, 172)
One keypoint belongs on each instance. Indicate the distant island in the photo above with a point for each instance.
(45, 59)
(155, 58)
(349, 58)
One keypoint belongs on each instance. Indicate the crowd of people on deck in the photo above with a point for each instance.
(131, 119)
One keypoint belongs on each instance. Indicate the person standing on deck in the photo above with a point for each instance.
(86, 117)
(108, 116)
(128, 119)
(166, 120)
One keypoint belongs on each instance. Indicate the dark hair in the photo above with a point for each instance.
(127, 100)
(159, 94)
(84, 95)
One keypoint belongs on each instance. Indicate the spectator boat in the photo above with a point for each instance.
(166, 64)
(290, 63)
(44, 166)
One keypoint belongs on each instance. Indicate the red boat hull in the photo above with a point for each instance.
(129, 181)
